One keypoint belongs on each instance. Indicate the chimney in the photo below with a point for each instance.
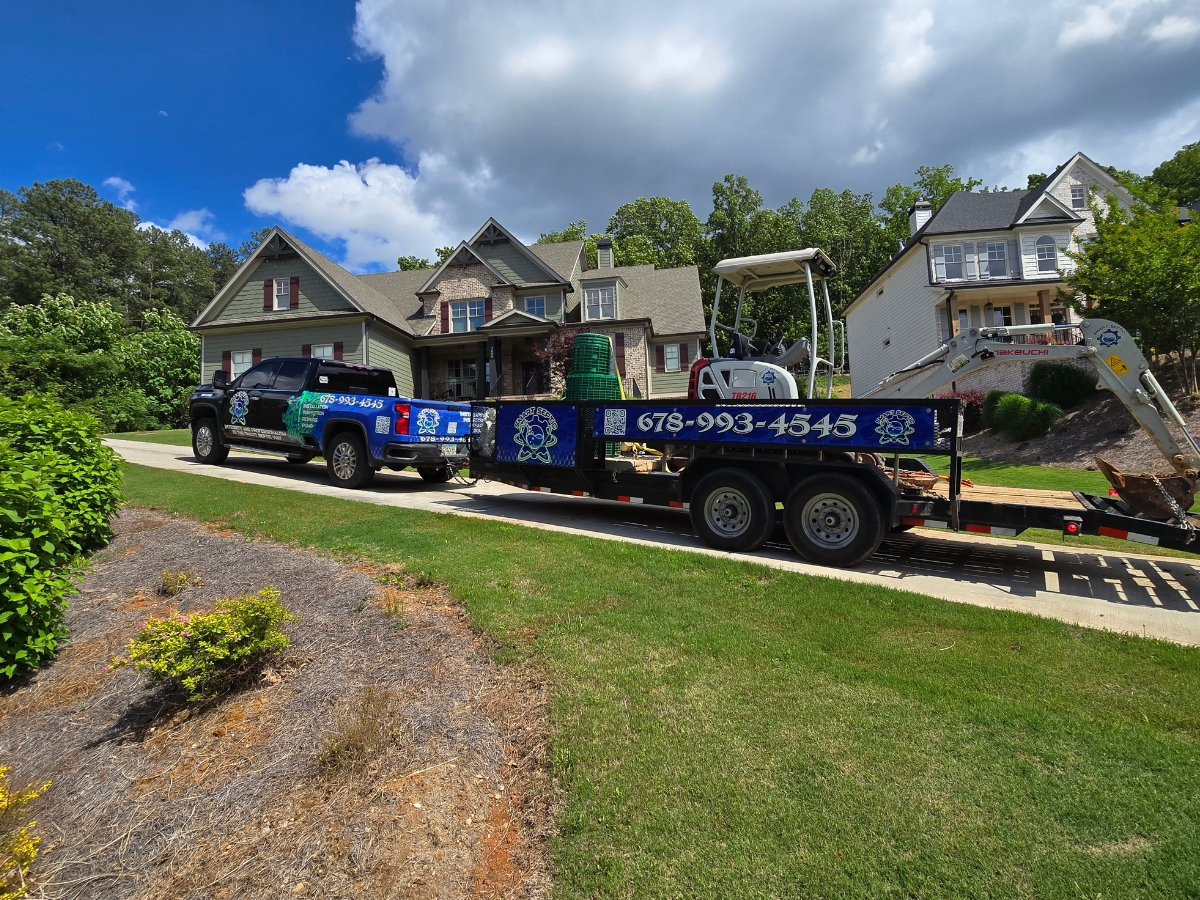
(918, 214)
(604, 254)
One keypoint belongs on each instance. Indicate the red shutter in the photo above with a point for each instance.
(294, 293)
(445, 317)
(306, 351)
(227, 361)
(684, 355)
(487, 310)
(337, 349)
(660, 358)
(619, 346)
(268, 297)
(256, 356)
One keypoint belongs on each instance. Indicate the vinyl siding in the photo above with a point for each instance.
(671, 384)
(315, 293)
(512, 263)
(278, 341)
(904, 315)
(1029, 263)
(554, 303)
(392, 353)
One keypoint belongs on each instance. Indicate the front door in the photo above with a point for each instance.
(244, 414)
(531, 378)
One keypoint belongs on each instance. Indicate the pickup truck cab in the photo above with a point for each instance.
(349, 414)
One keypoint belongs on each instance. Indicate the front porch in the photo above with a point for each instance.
(995, 306)
(499, 362)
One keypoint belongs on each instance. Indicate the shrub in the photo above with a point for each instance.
(361, 730)
(18, 843)
(987, 417)
(1020, 419)
(201, 650)
(1059, 383)
(172, 583)
(972, 402)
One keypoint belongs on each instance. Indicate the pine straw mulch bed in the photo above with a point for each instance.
(155, 797)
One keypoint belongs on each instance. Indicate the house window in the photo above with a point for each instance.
(1047, 254)
(240, 362)
(671, 357)
(466, 315)
(1078, 196)
(536, 306)
(460, 379)
(322, 351)
(600, 303)
(963, 323)
(993, 259)
(1002, 316)
(283, 293)
(949, 261)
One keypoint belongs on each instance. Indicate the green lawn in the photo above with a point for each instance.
(1002, 474)
(726, 730)
(178, 437)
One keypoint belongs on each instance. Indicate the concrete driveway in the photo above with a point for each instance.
(1129, 593)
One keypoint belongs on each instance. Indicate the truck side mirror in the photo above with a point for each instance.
(220, 379)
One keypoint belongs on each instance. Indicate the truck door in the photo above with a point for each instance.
(290, 380)
(242, 415)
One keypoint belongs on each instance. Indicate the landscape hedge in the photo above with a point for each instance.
(1021, 418)
(1062, 384)
(59, 487)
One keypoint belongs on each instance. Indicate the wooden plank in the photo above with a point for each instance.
(1019, 496)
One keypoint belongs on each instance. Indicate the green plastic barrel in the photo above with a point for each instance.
(595, 387)
(591, 354)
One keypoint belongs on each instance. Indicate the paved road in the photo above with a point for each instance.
(1130, 593)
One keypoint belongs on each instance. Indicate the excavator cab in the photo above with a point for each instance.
(758, 370)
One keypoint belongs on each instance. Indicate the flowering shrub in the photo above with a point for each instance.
(972, 402)
(202, 649)
(18, 843)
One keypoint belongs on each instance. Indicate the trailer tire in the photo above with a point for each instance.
(833, 520)
(347, 461)
(206, 443)
(731, 510)
(438, 475)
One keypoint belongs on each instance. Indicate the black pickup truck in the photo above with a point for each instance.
(349, 414)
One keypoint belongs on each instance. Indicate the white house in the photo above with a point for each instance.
(985, 258)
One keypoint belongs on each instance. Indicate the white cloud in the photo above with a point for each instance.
(679, 60)
(547, 57)
(123, 189)
(907, 52)
(867, 153)
(1174, 28)
(376, 209)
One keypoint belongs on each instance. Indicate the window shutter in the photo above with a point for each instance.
(256, 356)
(445, 317)
(268, 295)
(969, 259)
(939, 263)
(337, 349)
(619, 349)
(294, 293)
(306, 351)
(227, 361)
(660, 358)
(684, 355)
(487, 310)
(1014, 260)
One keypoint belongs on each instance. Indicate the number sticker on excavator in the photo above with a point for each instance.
(1117, 364)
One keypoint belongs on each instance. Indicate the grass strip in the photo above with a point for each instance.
(724, 729)
(176, 437)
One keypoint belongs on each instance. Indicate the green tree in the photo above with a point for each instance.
(845, 226)
(935, 183)
(443, 254)
(162, 360)
(656, 230)
(171, 272)
(60, 236)
(1180, 175)
(224, 261)
(1143, 270)
(248, 246)
(412, 263)
(83, 325)
(575, 231)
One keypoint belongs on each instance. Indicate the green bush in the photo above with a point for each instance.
(1020, 418)
(201, 650)
(988, 410)
(1059, 383)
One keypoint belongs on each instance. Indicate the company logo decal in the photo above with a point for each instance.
(535, 436)
(894, 427)
(1108, 337)
(238, 407)
(767, 377)
(427, 421)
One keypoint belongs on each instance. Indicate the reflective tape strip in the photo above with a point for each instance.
(623, 499)
(992, 529)
(675, 504)
(1127, 535)
(924, 523)
(580, 494)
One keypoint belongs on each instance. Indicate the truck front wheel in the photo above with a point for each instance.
(348, 463)
(732, 510)
(206, 445)
(832, 520)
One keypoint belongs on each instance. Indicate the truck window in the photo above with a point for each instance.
(291, 375)
(336, 380)
(260, 376)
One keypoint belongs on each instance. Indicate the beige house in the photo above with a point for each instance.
(466, 329)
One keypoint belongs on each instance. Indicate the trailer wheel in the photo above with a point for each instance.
(833, 520)
(732, 510)
(206, 446)
(347, 461)
(438, 475)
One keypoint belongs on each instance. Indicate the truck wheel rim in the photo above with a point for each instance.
(727, 512)
(345, 461)
(830, 521)
(204, 440)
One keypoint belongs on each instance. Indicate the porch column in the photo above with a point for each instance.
(481, 385)
(497, 386)
(423, 362)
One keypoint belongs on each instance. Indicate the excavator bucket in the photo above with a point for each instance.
(1145, 493)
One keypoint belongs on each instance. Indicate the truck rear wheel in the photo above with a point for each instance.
(206, 445)
(833, 520)
(347, 460)
(732, 510)
(438, 475)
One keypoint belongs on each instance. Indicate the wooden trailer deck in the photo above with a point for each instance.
(1017, 496)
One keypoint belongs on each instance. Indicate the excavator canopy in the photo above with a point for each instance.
(768, 270)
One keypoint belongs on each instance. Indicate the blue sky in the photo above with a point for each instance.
(396, 126)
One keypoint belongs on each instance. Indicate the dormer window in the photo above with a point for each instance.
(283, 293)
(1047, 254)
(466, 315)
(536, 306)
(600, 303)
(1078, 196)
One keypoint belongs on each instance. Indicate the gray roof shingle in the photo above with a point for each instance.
(669, 298)
(561, 257)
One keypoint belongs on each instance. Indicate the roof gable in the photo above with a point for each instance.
(464, 255)
(1043, 190)
(516, 318)
(493, 233)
